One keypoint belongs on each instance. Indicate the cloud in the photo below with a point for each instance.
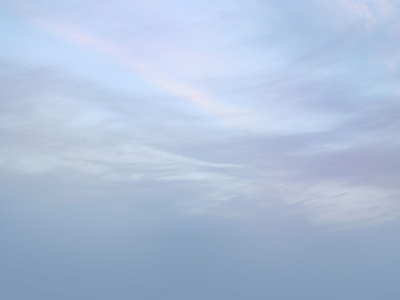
(168, 72)
(343, 204)
(308, 103)
(49, 130)
(229, 114)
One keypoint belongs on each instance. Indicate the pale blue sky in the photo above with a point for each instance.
(199, 149)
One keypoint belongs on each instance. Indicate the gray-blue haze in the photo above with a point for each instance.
(199, 149)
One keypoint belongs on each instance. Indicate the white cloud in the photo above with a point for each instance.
(343, 204)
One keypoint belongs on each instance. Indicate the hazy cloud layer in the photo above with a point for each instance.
(283, 103)
(199, 149)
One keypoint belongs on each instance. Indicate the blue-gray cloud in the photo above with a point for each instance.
(199, 149)
(287, 100)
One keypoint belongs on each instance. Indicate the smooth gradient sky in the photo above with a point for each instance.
(200, 149)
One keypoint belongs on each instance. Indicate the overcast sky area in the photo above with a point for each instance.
(205, 149)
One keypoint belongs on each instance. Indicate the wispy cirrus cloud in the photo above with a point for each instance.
(51, 129)
(213, 149)
(308, 103)
(229, 114)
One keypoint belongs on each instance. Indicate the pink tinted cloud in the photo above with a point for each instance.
(228, 114)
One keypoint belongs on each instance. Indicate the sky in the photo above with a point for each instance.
(199, 149)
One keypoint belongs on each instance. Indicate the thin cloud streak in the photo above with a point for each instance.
(230, 115)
